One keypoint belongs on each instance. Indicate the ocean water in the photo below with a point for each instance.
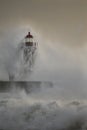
(38, 106)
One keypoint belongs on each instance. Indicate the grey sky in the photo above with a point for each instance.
(59, 20)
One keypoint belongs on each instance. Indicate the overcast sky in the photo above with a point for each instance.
(60, 27)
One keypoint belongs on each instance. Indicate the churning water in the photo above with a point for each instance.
(23, 108)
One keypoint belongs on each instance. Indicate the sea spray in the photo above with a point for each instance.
(21, 62)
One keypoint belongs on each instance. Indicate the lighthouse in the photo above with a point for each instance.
(29, 39)
(29, 48)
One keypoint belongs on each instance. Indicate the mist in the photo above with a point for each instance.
(60, 30)
(53, 95)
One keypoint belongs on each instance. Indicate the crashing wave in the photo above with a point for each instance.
(24, 58)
